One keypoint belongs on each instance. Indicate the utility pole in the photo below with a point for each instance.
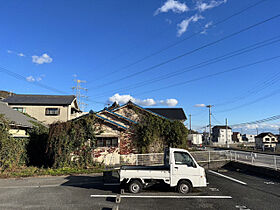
(78, 93)
(257, 131)
(190, 119)
(226, 133)
(209, 107)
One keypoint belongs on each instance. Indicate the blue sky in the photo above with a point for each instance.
(54, 42)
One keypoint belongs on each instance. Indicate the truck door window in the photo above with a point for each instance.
(182, 158)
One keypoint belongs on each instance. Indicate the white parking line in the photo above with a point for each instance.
(227, 177)
(163, 196)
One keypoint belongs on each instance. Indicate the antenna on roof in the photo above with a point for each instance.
(78, 93)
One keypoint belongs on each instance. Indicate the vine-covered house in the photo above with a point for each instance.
(115, 129)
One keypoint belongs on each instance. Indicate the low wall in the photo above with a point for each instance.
(253, 170)
(214, 165)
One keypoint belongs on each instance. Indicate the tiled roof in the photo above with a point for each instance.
(40, 99)
(170, 113)
(15, 117)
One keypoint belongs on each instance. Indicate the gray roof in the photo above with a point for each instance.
(221, 127)
(170, 113)
(40, 99)
(15, 117)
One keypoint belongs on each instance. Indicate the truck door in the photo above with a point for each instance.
(184, 167)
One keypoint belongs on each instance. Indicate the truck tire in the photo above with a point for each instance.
(184, 187)
(135, 186)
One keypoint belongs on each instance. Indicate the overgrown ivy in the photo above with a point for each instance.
(37, 145)
(72, 140)
(12, 151)
(155, 133)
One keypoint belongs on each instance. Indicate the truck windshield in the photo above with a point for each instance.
(183, 158)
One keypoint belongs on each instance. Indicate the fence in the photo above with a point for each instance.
(257, 159)
(158, 158)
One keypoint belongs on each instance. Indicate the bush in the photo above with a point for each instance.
(158, 132)
(72, 138)
(12, 151)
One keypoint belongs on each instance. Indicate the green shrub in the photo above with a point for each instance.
(154, 130)
(72, 138)
(12, 151)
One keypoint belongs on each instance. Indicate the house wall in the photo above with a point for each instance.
(111, 155)
(219, 136)
(195, 138)
(18, 132)
(38, 112)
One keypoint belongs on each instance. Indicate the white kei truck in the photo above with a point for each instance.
(179, 170)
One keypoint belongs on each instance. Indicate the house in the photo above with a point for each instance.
(114, 131)
(266, 141)
(221, 135)
(195, 139)
(250, 138)
(236, 137)
(18, 122)
(46, 108)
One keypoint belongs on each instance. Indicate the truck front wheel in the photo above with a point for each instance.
(184, 187)
(135, 186)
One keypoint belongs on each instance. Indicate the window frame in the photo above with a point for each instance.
(47, 111)
(190, 164)
(113, 141)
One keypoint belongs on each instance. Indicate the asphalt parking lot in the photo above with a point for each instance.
(226, 190)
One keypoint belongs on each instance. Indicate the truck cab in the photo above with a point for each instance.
(179, 170)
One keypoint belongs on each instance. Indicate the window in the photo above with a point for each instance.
(183, 158)
(107, 142)
(52, 111)
(20, 109)
(266, 139)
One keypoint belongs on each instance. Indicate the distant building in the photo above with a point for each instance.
(221, 134)
(46, 108)
(195, 139)
(248, 138)
(266, 141)
(236, 137)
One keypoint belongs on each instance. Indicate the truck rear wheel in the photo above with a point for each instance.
(135, 186)
(184, 187)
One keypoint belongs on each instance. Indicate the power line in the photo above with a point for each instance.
(187, 38)
(276, 117)
(191, 51)
(200, 65)
(211, 75)
(265, 84)
(21, 77)
(252, 102)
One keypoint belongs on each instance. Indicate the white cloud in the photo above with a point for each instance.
(169, 102)
(173, 5)
(45, 58)
(20, 54)
(9, 51)
(183, 26)
(206, 26)
(200, 105)
(30, 79)
(202, 6)
(122, 99)
(33, 79)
